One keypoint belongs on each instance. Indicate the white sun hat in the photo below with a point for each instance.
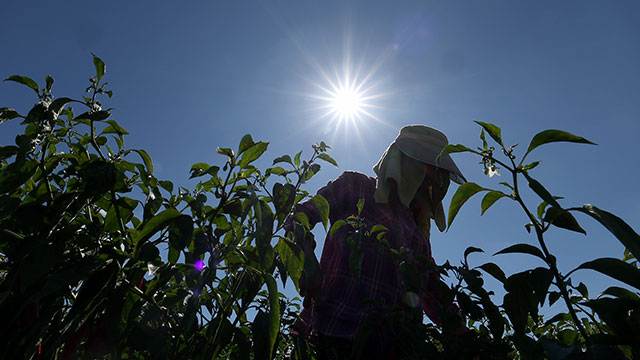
(424, 144)
(403, 162)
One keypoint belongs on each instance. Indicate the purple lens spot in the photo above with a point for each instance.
(199, 265)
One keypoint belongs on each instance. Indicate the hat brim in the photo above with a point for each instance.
(428, 153)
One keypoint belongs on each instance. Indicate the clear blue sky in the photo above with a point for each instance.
(191, 76)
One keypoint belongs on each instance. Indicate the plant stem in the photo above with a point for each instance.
(548, 258)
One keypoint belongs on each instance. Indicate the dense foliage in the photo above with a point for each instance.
(101, 259)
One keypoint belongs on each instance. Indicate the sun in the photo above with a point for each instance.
(346, 98)
(347, 103)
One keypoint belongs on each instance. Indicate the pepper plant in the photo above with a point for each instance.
(99, 258)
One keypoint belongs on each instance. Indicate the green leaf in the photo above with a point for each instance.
(377, 228)
(328, 159)
(146, 159)
(93, 115)
(618, 227)
(541, 191)
(180, 232)
(303, 219)
(114, 128)
(549, 136)
(7, 114)
(360, 205)
(489, 199)
(355, 261)
(323, 209)
(464, 192)
(283, 198)
(493, 131)
(523, 249)
(495, 271)
(225, 151)
(293, 259)
(621, 293)
(562, 219)
(296, 159)
(245, 143)
(278, 170)
(273, 316)
(24, 81)
(253, 153)
(59, 103)
(530, 166)
(336, 226)
(100, 66)
(200, 169)
(152, 226)
(528, 348)
(471, 250)
(553, 297)
(283, 158)
(49, 80)
(616, 269)
(449, 149)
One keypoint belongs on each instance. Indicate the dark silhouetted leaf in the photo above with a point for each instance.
(616, 269)
(620, 229)
(563, 219)
(522, 249)
(470, 250)
(541, 191)
(621, 293)
(494, 270)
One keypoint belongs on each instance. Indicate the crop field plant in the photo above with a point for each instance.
(101, 259)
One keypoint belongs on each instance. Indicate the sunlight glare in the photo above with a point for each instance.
(347, 103)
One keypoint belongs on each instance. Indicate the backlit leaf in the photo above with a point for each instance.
(323, 209)
(549, 136)
(328, 159)
(100, 66)
(489, 199)
(493, 131)
(253, 153)
(464, 192)
(24, 81)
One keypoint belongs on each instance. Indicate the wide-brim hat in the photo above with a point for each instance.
(424, 143)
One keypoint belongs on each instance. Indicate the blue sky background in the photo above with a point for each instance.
(191, 76)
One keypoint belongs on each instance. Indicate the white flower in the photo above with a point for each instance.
(493, 170)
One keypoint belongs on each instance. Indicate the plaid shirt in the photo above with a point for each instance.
(342, 307)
